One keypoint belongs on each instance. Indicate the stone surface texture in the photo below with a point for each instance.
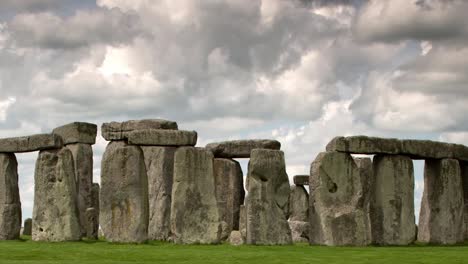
(243, 221)
(27, 229)
(338, 213)
(55, 212)
(119, 130)
(162, 137)
(241, 148)
(235, 238)
(229, 193)
(416, 149)
(159, 163)
(124, 194)
(83, 164)
(392, 203)
(268, 199)
(301, 179)
(10, 204)
(77, 132)
(300, 231)
(31, 143)
(298, 204)
(464, 174)
(194, 210)
(441, 215)
(91, 229)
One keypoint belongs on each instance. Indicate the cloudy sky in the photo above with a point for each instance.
(300, 71)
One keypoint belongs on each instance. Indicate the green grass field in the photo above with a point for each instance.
(154, 252)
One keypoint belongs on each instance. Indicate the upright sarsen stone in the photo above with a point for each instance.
(298, 204)
(10, 205)
(338, 214)
(83, 164)
(124, 194)
(194, 211)
(464, 174)
(267, 200)
(392, 204)
(441, 215)
(27, 228)
(55, 212)
(160, 169)
(229, 193)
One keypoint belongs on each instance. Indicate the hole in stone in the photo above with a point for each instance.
(332, 187)
(40, 229)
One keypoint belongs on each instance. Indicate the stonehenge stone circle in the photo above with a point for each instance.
(119, 130)
(416, 149)
(55, 212)
(301, 179)
(124, 194)
(194, 209)
(338, 213)
(267, 200)
(10, 205)
(230, 193)
(27, 229)
(159, 163)
(30, 143)
(392, 203)
(298, 204)
(241, 148)
(162, 137)
(83, 164)
(77, 132)
(441, 215)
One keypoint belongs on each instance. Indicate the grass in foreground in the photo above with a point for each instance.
(101, 252)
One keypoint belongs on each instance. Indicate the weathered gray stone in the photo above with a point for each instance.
(95, 204)
(243, 221)
(77, 132)
(124, 194)
(301, 179)
(229, 193)
(464, 174)
(338, 213)
(441, 215)
(300, 231)
(83, 164)
(95, 189)
(241, 148)
(160, 169)
(162, 137)
(267, 200)
(10, 205)
(31, 143)
(416, 149)
(91, 228)
(392, 204)
(27, 229)
(194, 211)
(235, 238)
(55, 212)
(298, 204)
(120, 130)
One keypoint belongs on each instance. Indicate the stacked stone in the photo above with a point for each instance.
(229, 182)
(391, 189)
(10, 206)
(79, 137)
(137, 177)
(299, 209)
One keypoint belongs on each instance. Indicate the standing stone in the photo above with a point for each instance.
(160, 169)
(300, 231)
(91, 228)
(243, 221)
(298, 204)
(10, 205)
(55, 212)
(464, 173)
(124, 194)
(194, 211)
(392, 204)
(95, 189)
(338, 214)
(441, 215)
(235, 238)
(229, 193)
(27, 229)
(267, 201)
(83, 164)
